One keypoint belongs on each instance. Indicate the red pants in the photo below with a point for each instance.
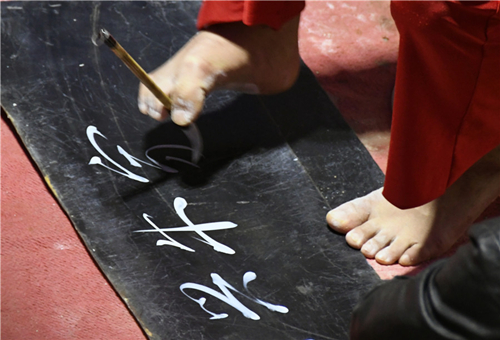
(447, 96)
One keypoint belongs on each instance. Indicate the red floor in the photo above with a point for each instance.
(51, 289)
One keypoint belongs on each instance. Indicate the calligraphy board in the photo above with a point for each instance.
(234, 247)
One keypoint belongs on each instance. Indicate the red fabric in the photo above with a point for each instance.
(447, 96)
(271, 13)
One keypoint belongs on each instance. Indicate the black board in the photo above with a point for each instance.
(273, 165)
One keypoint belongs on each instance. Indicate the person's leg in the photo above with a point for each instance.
(455, 298)
(410, 236)
(442, 160)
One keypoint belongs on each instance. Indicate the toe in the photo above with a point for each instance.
(375, 244)
(357, 237)
(392, 253)
(348, 215)
(149, 105)
(416, 254)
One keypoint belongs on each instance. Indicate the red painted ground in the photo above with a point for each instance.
(51, 289)
(352, 48)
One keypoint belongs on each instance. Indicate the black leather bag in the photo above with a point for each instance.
(454, 298)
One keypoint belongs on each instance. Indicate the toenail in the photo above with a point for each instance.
(182, 117)
(405, 258)
(154, 114)
(143, 107)
(354, 237)
(368, 248)
(337, 218)
(383, 257)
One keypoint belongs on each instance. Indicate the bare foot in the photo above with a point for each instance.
(389, 234)
(252, 59)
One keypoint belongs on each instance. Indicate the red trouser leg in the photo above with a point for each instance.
(271, 13)
(447, 96)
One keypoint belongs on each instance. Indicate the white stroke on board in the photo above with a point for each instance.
(133, 161)
(227, 297)
(91, 132)
(179, 205)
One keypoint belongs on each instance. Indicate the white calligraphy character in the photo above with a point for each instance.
(134, 161)
(227, 297)
(179, 205)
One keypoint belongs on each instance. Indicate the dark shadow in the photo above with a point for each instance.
(227, 134)
(300, 115)
(364, 97)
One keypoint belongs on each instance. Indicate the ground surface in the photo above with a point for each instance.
(51, 289)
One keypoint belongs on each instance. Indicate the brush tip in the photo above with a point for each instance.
(99, 37)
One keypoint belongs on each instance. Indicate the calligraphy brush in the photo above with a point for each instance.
(191, 131)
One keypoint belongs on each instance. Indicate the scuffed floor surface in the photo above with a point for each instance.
(51, 288)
